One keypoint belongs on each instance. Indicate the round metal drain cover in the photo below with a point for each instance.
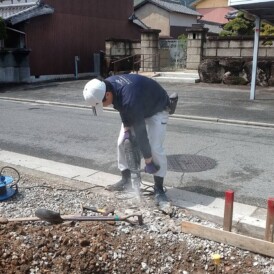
(189, 163)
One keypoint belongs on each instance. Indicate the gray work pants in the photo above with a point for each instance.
(156, 129)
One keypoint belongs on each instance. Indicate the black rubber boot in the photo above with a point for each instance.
(123, 184)
(160, 196)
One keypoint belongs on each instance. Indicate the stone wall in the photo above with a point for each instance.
(229, 59)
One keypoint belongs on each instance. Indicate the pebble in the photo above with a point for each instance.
(157, 227)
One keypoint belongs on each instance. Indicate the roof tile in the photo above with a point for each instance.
(173, 6)
(8, 11)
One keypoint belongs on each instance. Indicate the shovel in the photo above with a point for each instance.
(55, 217)
(103, 211)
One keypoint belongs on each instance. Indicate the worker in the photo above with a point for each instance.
(144, 108)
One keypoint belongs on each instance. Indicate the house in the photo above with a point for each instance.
(214, 13)
(51, 37)
(137, 2)
(186, 3)
(171, 17)
(213, 10)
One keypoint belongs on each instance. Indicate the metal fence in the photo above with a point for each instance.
(173, 54)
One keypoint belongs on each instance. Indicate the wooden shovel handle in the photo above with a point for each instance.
(4, 220)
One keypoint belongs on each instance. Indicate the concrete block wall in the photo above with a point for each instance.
(195, 42)
(14, 67)
(118, 48)
(150, 50)
(136, 47)
(218, 47)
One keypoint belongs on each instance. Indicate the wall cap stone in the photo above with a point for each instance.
(238, 38)
(150, 31)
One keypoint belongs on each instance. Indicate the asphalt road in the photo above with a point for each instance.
(203, 100)
(204, 157)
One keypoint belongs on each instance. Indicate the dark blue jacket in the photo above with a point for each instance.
(137, 97)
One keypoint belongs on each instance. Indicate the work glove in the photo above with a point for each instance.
(127, 135)
(151, 168)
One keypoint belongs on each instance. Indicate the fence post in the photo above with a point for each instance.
(228, 212)
(269, 220)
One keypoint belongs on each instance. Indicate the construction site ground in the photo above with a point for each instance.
(157, 246)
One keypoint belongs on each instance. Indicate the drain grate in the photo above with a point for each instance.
(189, 163)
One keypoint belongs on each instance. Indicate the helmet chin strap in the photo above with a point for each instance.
(94, 111)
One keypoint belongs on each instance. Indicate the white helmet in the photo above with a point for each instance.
(94, 92)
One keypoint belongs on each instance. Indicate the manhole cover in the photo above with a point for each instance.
(189, 163)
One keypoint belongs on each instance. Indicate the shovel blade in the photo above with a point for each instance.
(49, 216)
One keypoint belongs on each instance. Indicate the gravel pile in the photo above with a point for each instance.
(158, 246)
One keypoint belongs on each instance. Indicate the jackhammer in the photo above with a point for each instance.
(133, 158)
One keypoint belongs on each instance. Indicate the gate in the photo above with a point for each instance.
(173, 54)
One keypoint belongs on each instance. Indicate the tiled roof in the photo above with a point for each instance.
(171, 6)
(137, 21)
(137, 2)
(217, 15)
(16, 13)
(212, 27)
(187, 3)
(7, 11)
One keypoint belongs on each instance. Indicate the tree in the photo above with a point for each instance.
(238, 26)
(242, 26)
(267, 30)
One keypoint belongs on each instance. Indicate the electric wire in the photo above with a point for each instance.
(145, 190)
(60, 189)
(3, 170)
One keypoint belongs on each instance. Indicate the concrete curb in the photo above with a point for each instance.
(176, 80)
(225, 121)
(249, 220)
